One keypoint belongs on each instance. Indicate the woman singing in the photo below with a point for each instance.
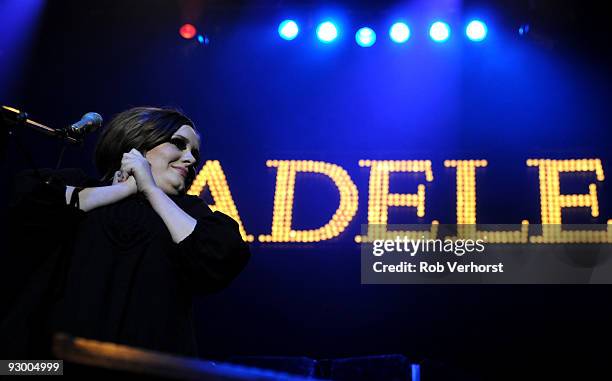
(120, 259)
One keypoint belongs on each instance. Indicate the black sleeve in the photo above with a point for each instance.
(39, 198)
(39, 224)
(213, 254)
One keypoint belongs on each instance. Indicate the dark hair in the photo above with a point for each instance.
(142, 128)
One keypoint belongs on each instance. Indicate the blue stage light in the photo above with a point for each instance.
(327, 32)
(439, 31)
(399, 32)
(365, 37)
(288, 30)
(476, 30)
(203, 39)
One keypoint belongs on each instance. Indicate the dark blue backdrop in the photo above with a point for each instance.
(255, 97)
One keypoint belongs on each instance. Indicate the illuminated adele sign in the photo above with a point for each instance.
(552, 201)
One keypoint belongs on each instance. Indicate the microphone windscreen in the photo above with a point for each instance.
(93, 118)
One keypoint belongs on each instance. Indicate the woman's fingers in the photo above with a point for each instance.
(136, 152)
(133, 155)
(136, 165)
(127, 169)
(120, 176)
(129, 159)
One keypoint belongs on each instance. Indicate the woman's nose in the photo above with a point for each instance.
(188, 157)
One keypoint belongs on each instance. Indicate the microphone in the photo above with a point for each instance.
(88, 123)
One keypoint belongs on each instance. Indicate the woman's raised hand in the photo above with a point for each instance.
(137, 166)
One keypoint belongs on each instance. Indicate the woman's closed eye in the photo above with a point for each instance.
(179, 143)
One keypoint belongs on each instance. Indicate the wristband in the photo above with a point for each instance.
(74, 199)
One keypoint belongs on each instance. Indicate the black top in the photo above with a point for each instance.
(113, 273)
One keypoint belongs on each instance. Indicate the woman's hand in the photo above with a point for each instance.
(136, 165)
(121, 177)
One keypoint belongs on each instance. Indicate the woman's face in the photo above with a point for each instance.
(170, 161)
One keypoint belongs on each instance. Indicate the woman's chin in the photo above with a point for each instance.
(178, 190)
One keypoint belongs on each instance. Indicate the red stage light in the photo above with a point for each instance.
(187, 31)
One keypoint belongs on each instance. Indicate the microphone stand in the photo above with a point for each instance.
(13, 119)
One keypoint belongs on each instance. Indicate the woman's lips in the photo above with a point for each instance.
(182, 171)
